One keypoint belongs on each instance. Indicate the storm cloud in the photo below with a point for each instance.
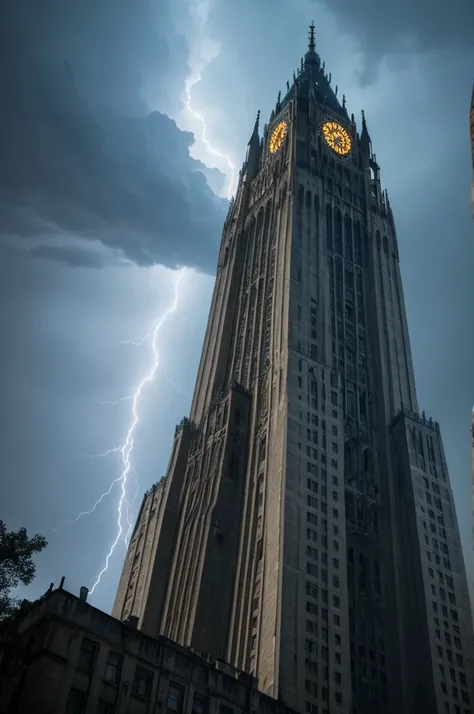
(82, 152)
(404, 27)
(95, 174)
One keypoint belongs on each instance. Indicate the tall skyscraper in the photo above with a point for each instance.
(305, 530)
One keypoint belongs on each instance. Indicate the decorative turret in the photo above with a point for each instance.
(253, 153)
(365, 142)
(311, 57)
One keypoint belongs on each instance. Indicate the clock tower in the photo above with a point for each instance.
(305, 531)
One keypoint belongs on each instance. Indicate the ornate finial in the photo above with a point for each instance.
(364, 125)
(336, 91)
(279, 97)
(343, 101)
(287, 86)
(257, 121)
(302, 64)
(312, 43)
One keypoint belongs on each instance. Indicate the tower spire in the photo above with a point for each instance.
(255, 128)
(365, 143)
(312, 43)
(311, 59)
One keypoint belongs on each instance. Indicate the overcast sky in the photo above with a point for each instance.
(123, 127)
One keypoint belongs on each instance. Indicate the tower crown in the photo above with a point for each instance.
(312, 81)
(311, 57)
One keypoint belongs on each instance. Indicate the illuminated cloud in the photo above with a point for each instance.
(83, 153)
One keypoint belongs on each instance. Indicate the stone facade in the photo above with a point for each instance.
(285, 549)
(71, 658)
(432, 563)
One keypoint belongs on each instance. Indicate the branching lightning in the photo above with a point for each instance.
(117, 401)
(136, 344)
(125, 505)
(190, 83)
(99, 500)
(127, 447)
(172, 384)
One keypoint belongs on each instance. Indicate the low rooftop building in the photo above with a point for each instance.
(67, 657)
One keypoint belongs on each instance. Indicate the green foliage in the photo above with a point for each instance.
(16, 564)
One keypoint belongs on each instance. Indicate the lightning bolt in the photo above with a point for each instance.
(172, 384)
(99, 500)
(119, 400)
(136, 344)
(126, 449)
(189, 84)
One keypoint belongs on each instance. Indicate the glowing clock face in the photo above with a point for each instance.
(276, 139)
(337, 137)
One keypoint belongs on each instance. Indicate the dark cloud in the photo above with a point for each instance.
(81, 151)
(405, 26)
(61, 359)
(71, 256)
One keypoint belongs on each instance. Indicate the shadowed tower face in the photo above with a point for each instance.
(305, 530)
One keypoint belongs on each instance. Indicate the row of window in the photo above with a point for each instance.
(313, 608)
(313, 485)
(313, 553)
(311, 688)
(449, 654)
(437, 545)
(312, 627)
(442, 594)
(311, 649)
(315, 572)
(142, 685)
(458, 696)
(312, 502)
